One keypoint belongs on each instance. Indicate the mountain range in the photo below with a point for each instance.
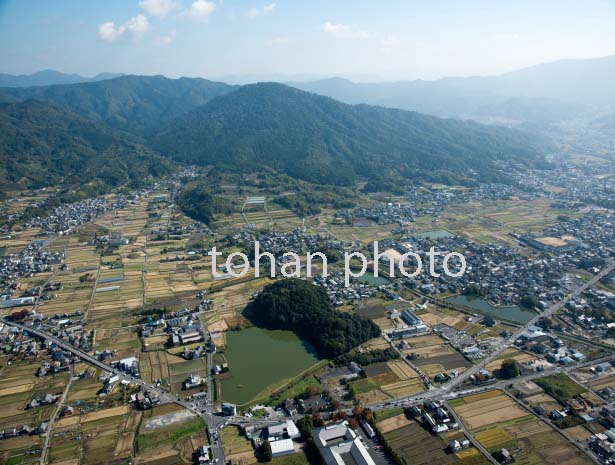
(322, 140)
(49, 77)
(560, 90)
(245, 128)
(43, 144)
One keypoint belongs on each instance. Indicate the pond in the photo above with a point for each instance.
(514, 314)
(369, 278)
(259, 358)
(437, 234)
(2, 251)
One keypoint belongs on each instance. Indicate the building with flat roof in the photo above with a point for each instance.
(282, 447)
(414, 326)
(339, 444)
(287, 428)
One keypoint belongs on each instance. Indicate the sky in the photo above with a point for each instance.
(365, 40)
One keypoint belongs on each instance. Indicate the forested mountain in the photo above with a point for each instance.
(42, 145)
(139, 104)
(304, 135)
(322, 140)
(49, 77)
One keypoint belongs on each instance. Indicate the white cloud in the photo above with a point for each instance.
(254, 12)
(108, 32)
(200, 10)
(345, 31)
(159, 8)
(137, 25)
(134, 26)
(168, 38)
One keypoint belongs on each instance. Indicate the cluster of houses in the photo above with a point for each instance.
(553, 349)
(27, 263)
(434, 416)
(47, 399)
(64, 218)
(24, 430)
(182, 327)
(145, 400)
(280, 437)
(338, 293)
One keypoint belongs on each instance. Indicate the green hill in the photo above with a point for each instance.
(321, 140)
(139, 104)
(302, 307)
(43, 145)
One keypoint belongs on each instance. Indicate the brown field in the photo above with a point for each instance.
(391, 424)
(16, 389)
(402, 369)
(544, 400)
(526, 429)
(480, 413)
(433, 316)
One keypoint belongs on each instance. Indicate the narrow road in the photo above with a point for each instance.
(213, 422)
(471, 437)
(505, 344)
(578, 444)
(49, 432)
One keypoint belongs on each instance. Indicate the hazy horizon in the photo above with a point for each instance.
(239, 38)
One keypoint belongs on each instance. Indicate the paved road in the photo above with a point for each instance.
(575, 442)
(444, 392)
(53, 418)
(213, 421)
(508, 342)
(473, 440)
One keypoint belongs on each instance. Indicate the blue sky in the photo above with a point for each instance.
(387, 39)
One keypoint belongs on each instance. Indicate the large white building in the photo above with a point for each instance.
(282, 447)
(339, 444)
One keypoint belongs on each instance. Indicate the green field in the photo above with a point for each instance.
(560, 387)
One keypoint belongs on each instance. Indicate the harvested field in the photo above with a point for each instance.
(495, 409)
(415, 445)
(391, 424)
(448, 361)
(527, 429)
(493, 438)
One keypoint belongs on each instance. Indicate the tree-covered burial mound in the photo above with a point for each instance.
(305, 309)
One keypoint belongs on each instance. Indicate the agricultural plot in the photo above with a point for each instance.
(560, 386)
(77, 281)
(169, 369)
(514, 354)
(434, 355)
(482, 410)
(433, 316)
(123, 340)
(167, 426)
(415, 445)
(18, 385)
(237, 448)
(387, 380)
(105, 433)
(497, 422)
